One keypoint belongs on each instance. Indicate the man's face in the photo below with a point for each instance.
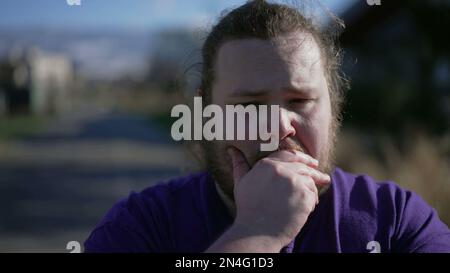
(286, 71)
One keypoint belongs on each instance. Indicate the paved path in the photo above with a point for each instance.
(56, 186)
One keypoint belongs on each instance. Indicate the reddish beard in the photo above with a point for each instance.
(286, 144)
(218, 162)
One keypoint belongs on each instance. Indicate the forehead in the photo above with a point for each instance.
(255, 64)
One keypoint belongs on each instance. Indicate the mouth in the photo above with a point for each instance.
(289, 144)
(286, 144)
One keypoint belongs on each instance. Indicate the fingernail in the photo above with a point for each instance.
(314, 161)
(310, 158)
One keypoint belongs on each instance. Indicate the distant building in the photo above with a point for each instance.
(37, 82)
(51, 81)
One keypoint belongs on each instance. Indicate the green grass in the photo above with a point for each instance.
(20, 126)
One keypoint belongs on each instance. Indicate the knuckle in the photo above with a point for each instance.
(274, 167)
(265, 162)
(279, 171)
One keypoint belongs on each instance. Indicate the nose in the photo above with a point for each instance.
(286, 124)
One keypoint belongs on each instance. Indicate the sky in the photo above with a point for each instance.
(144, 14)
(102, 55)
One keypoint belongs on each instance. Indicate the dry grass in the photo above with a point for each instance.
(419, 163)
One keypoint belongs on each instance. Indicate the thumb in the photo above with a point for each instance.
(239, 163)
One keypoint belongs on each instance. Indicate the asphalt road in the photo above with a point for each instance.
(54, 187)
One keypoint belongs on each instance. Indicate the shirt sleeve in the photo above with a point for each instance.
(112, 238)
(133, 225)
(419, 228)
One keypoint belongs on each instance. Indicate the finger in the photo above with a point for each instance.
(308, 182)
(319, 177)
(294, 156)
(314, 162)
(313, 187)
(239, 163)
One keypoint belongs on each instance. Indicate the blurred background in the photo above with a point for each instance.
(86, 93)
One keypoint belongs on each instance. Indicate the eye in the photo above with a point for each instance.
(256, 103)
(298, 101)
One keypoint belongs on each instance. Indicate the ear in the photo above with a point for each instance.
(199, 92)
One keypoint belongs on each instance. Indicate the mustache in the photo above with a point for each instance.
(289, 144)
(285, 144)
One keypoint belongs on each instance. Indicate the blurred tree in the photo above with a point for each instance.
(397, 55)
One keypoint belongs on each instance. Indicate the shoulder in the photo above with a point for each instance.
(141, 222)
(365, 193)
(159, 197)
(363, 190)
(169, 193)
(385, 209)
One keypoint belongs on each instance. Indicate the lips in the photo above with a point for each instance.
(289, 144)
(285, 144)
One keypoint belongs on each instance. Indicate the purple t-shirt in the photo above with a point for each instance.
(356, 214)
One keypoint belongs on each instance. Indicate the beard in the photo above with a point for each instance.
(218, 162)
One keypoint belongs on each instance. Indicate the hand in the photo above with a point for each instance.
(275, 197)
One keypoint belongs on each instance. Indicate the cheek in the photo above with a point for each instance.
(248, 147)
(313, 129)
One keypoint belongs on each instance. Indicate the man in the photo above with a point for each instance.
(282, 201)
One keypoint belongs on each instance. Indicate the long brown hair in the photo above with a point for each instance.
(263, 20)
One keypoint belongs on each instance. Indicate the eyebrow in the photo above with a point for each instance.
(249, 93)
(263, 93)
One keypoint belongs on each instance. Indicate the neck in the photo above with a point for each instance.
(226, 200)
